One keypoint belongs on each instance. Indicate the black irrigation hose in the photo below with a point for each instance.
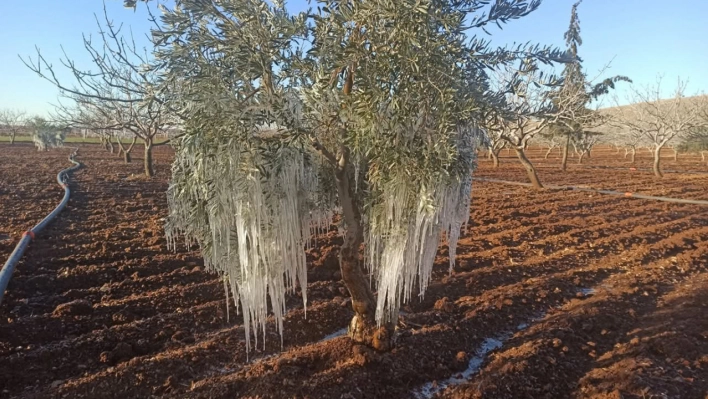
(688, 172)
(630, 168)
(16, 255)
(608, 192)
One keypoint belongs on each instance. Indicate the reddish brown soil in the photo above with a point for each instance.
(99, 308)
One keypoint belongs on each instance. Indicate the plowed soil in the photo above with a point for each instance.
(586, 295)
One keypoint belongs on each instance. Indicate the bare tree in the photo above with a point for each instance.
(552, 143)
(109, 119)
(583, 142)
(122, 91)
(631, 141)
(495, 142)
(13, 120)
(659, 120)
(698, 138)
(529, 111)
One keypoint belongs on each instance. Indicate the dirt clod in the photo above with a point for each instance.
(520, 263)
(444, 304)
(78, 307)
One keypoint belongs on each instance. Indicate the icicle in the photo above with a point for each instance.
(226, 294)
(404, 231)
(254, 227)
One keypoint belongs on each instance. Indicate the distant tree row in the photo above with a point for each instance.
(118, 98)
(562, 117)
(43, 132)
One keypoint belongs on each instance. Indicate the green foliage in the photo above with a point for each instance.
(573, 98)
(379, 96)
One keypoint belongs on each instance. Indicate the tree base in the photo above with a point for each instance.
(366, 332)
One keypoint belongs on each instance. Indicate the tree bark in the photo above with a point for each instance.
(110, 145)
(149, 171)
(530, 170)
(580, 157)
(127, 158)
(675, 155)
(564, 160)
(657, 162)
(548, 152)
(362, 328)
(12, 137)
(634, 154)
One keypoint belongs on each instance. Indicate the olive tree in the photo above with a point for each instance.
(367, 109)
(46, 134)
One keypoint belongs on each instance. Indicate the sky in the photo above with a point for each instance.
(641, 39)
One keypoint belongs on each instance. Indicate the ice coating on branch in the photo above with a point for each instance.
(259, 213)
(253, 211)
(402, 242)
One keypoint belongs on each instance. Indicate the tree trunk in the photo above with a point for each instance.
(564, 160)
(548, 152)
(110, 145)
(634, 154)
(495, 158)
(149, 171)
(12, 137)
(657, 162)
(126, 157)
(362, 328)
(626, 152)
(530, 170)
(580, 157)
(675, 155)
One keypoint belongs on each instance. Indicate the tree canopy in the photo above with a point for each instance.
(366, 109)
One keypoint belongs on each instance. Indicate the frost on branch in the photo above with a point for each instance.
(45, 135)
(257, 211)
(254, 210)
(406, 227)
